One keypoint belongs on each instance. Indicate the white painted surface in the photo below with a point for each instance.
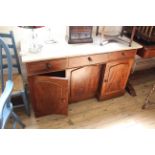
(58, 33)
(63, 49)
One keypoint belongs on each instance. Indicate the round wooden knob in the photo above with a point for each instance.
(90, 59)
(48, 65)
(123, 53)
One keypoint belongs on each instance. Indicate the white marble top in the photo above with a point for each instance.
(63, 49)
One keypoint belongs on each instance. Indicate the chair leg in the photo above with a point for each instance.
(147, 102)
(18, 120)
(26, 105)
(14, 124)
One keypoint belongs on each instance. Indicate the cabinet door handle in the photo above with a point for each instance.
(90, 59)
(48, 66)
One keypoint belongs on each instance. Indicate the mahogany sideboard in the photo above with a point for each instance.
(55, 82)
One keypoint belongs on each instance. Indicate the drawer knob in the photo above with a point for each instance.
(48, 66)
(90, 59)
(123, 53)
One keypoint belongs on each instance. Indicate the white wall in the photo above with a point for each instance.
(15, 30)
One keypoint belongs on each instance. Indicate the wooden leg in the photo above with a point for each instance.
(122, 32)
(130, 89)
(26, 104)
(97, 30)
(147, 102)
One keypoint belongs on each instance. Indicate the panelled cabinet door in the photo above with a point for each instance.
(115, 78)
(84, 82)
(49, 95)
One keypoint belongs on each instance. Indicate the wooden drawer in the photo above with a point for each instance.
(146, 52)
(78, 61)
(121, 55)
(100, 58)
(46, 66)
(87, 60)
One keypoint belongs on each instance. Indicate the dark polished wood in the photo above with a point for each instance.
(84, 82)
(87, 60)
(55, 83)
(147, 51)
(140, 33)
(78, 61)
(146, 33)
(99, 58)
(46, 66)
(131, 30)
(115, 78)
(49, 95)
(121, 55)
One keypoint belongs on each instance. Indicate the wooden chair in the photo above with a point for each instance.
(143, 34)
(6, 107)
(147, 99)
(146, 33)
(19, 87)
(12, 46)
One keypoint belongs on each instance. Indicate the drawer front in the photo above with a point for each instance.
(100, 58)
(46, 66)
(121, 55)
(146, 53)
(87, 60)
(150, 53)
(78, 61)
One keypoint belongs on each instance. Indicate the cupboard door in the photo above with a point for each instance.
(49, 95)
(84, 82)
(115, 78)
